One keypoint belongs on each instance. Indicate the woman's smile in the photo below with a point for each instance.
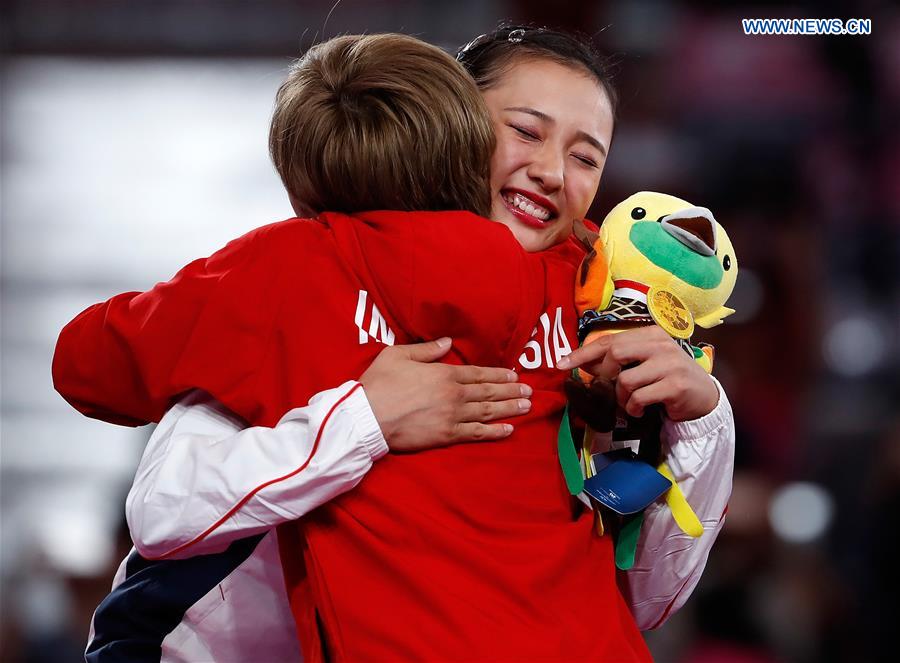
(531, 208)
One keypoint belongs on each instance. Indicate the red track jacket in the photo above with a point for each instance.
(472, 552)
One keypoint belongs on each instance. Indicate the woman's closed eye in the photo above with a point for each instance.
(586, 160)
(525, 132)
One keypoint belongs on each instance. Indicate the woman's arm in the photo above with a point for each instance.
(205, 480)
(115, 361)
(669, 563)
(650, 368)
(128, 359)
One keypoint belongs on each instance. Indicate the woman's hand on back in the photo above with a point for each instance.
(420, 404)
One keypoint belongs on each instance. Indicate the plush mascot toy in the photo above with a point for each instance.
(657, 260)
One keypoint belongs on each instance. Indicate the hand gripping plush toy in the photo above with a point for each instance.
(657, 260)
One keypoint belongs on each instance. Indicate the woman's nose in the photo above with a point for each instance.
(547, 169)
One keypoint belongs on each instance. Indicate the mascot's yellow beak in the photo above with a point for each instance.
(694, 227)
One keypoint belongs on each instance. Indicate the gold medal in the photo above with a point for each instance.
(670, 313)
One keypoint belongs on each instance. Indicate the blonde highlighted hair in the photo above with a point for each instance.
(382, 121)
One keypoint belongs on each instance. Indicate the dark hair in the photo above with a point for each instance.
(382, 121)
(488, 56)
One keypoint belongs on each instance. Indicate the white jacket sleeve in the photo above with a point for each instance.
(206, 480)
(668, 563)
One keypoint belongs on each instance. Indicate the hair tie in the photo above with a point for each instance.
(516, 36)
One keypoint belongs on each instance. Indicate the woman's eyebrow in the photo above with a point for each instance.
(586, 137)
(531, 111)
(581, 135)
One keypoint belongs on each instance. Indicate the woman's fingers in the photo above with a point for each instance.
(464, 432)
(588, 354)
(426, 352)
(473, 393)
(482, 374)
(635, 378)
(609, 367)
(420, 404)
(600, 357)
(678, 383)
(618, 351)
(644, 397)
(483, 411)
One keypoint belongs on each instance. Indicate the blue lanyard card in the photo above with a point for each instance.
(623, 483)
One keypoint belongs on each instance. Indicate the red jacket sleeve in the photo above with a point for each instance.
(119, 360)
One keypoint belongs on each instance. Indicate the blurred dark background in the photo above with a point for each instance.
(133, 139)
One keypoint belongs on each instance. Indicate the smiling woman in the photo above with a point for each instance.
(552, 106)
(550, 153)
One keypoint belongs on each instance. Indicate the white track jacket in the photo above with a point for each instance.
(204, 490)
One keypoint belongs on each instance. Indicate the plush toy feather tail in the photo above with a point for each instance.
(593, 285)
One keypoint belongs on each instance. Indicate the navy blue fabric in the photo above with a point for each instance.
(131, 623)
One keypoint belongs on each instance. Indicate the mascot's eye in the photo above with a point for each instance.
(638, 213)
(726, 263)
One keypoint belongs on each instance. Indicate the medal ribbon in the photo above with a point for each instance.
(682, 512)
(626, 543)
(568, 457)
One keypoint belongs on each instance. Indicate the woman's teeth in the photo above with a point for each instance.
(528, 206)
